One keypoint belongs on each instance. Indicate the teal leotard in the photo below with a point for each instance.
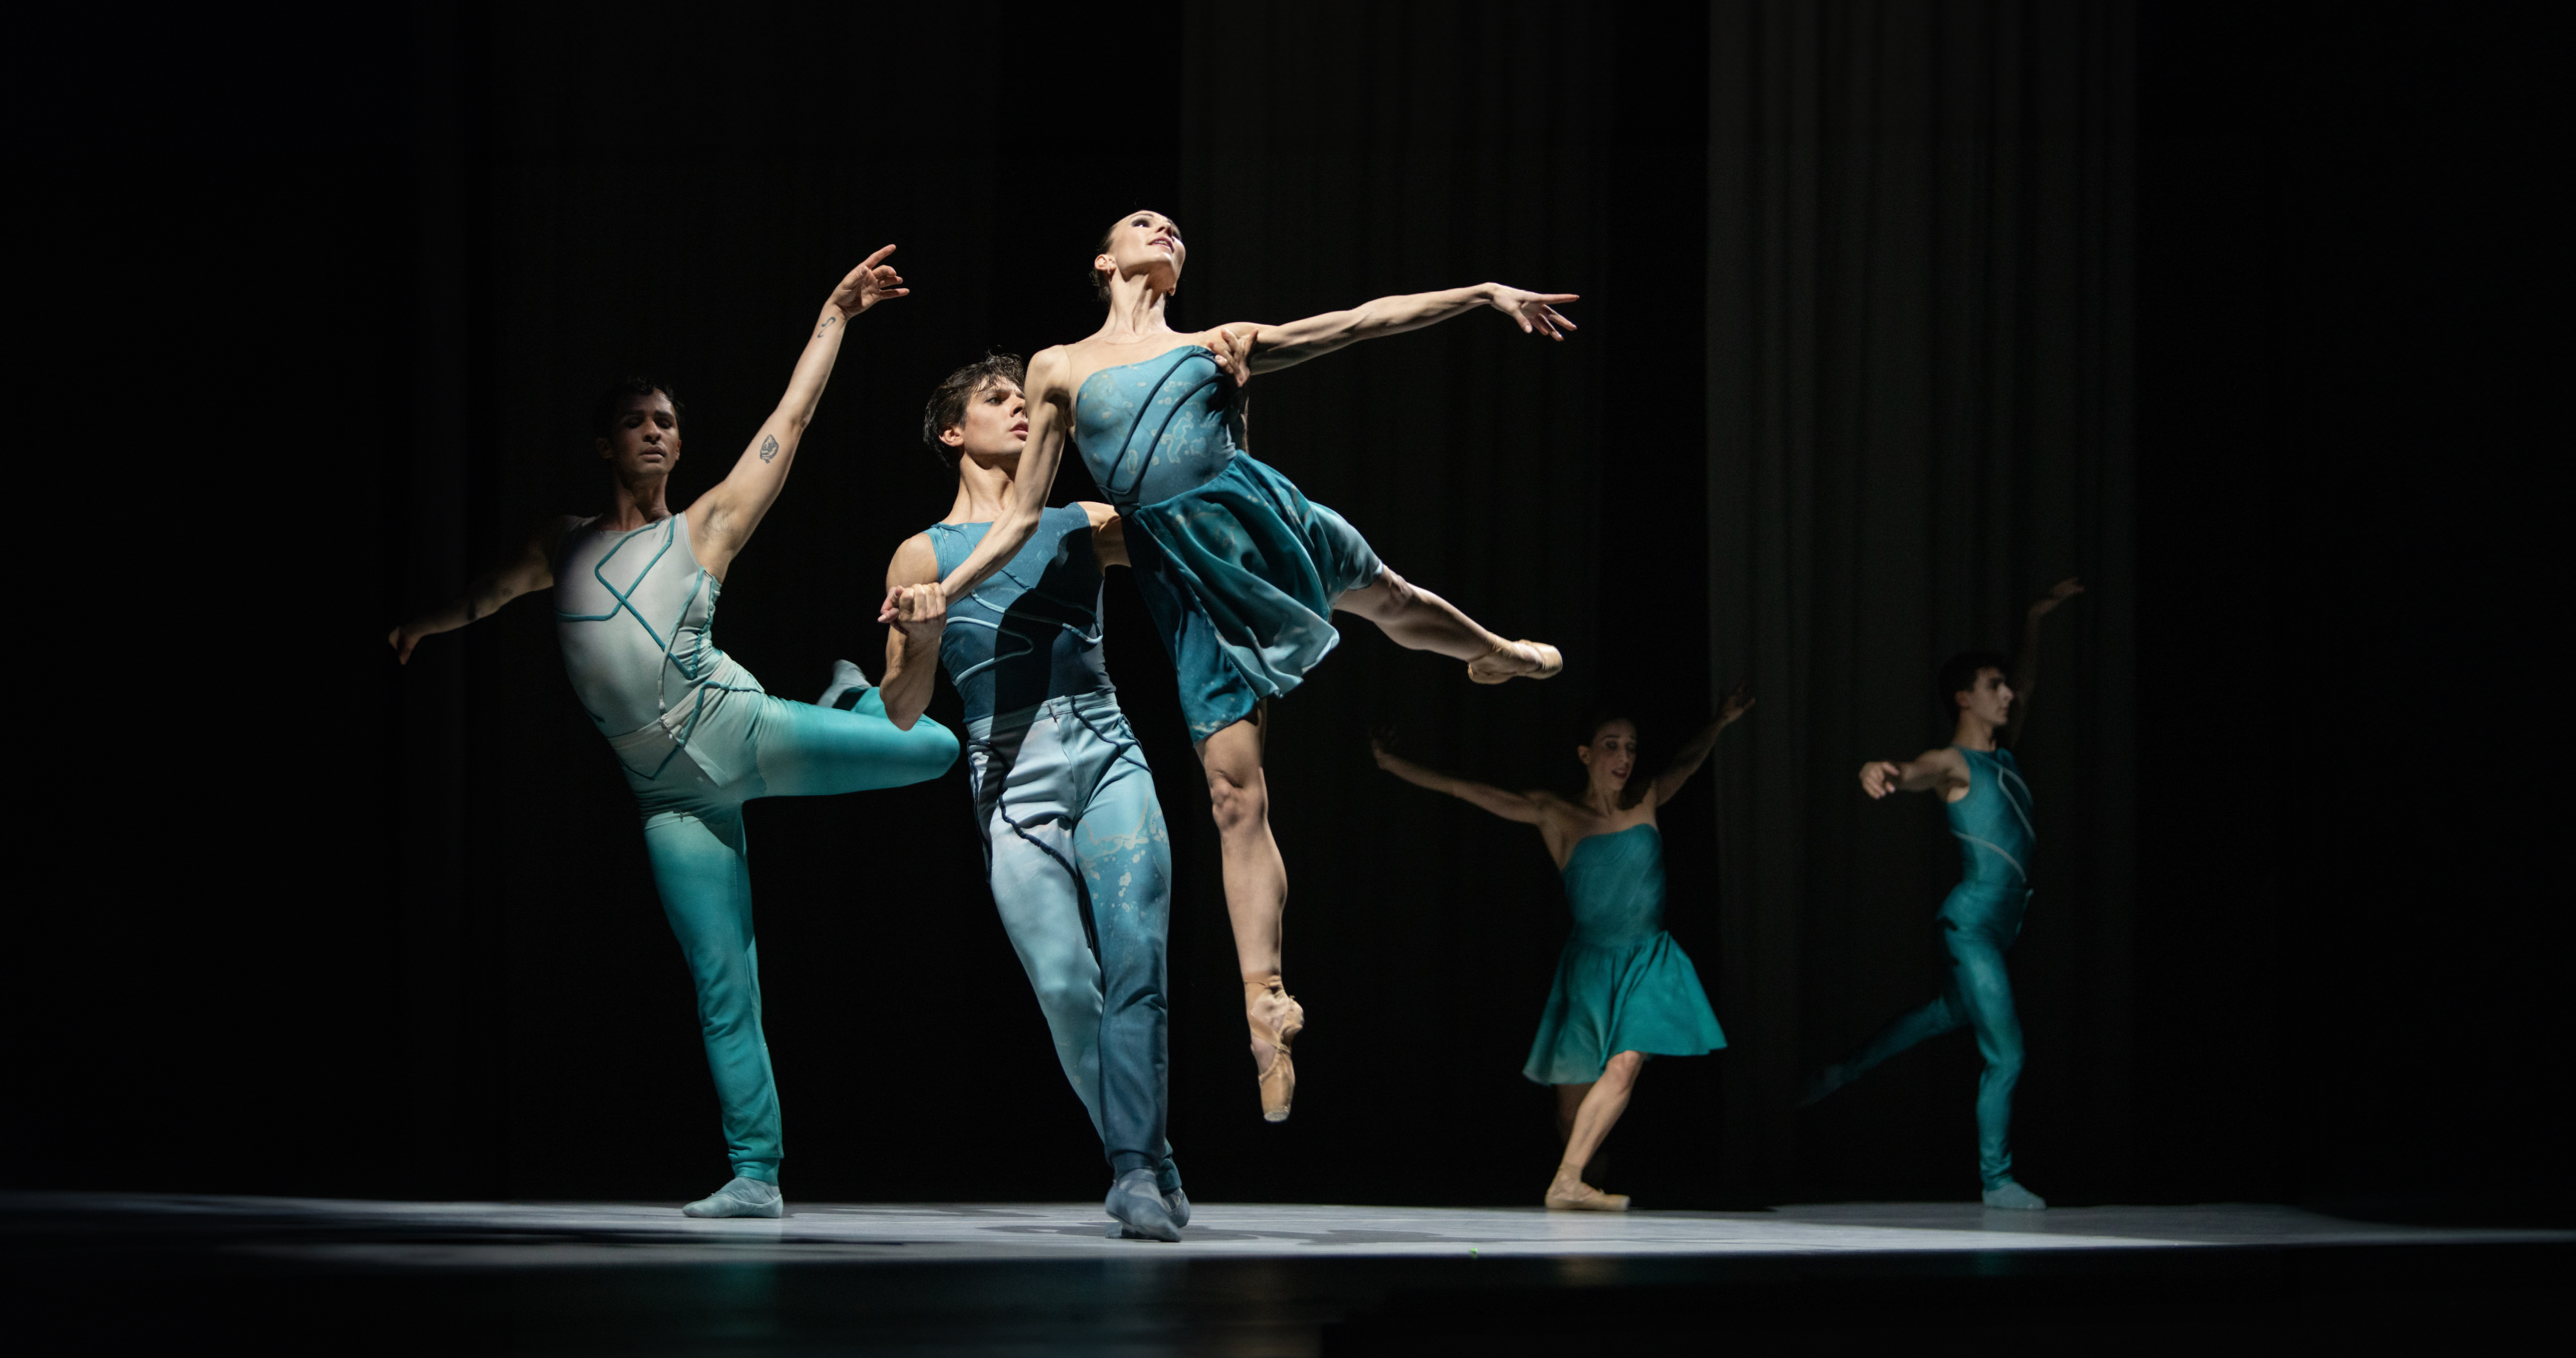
(1622, 984)
(1238, 568)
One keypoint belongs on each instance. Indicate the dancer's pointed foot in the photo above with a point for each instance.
(1516, 660)
(1275, 1018)
(1138, 1205)
(849, 684)
(740, 1198)
(1568, 1193)
(2012, 1197)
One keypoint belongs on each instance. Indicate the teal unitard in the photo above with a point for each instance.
(1977, 924)
(698, 737)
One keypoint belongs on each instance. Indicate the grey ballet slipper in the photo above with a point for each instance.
(2012, 1197)
(740, 1198)
(1138, 1205)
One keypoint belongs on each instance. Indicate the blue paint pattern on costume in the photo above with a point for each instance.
(1238, 568)
(697, 737)
(1069, 815)
(1622, 983)
(1978, 922)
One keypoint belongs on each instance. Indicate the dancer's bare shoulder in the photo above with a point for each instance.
(916, 562)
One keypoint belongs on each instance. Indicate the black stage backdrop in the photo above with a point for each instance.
(1893, 314)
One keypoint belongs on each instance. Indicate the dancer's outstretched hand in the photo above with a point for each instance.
(870, 283)
(1233, 353)
(1533, 312)
(1879, 777)
(1737, 704)
(920, 610)
(2057, 594)
(403, 639)
(1379, 741)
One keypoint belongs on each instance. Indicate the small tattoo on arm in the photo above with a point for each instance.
(828, 323)
(769, 448)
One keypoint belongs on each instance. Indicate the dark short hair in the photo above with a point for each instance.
(1603, 716)
(947, 408)
(1959, 675)
(1099, 280)
(605, 411)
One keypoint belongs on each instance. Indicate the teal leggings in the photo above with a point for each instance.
(749, 745)
(1976, 928)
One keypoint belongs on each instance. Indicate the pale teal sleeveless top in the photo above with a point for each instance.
(635, 614)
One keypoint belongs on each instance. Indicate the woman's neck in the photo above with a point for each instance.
(1136, 311)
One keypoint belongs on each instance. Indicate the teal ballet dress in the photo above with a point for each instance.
(1622, 984)
(1239, 569)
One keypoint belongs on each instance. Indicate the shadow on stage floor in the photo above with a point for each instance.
(387, 1277)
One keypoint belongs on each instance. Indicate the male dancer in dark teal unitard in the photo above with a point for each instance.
(1989, 807)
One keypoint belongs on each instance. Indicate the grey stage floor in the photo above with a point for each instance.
(520, 1235)
(938, 1280)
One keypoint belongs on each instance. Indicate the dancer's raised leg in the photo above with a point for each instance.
(1256, 899)
(1419, 620)
(1593, 1119)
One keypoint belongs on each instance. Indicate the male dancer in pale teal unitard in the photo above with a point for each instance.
(1989, 807)
(635, 600)
(1062, 794)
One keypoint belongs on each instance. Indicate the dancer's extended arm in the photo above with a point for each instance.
(912, 643)
(1686, 761)
(531, 570)
(2025, 675)
(1515, 806)
(1285, 346)
(722, 520)
(1943, 768)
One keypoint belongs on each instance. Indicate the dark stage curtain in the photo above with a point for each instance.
(1919, 394)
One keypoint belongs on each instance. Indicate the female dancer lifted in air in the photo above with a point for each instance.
(1240, 571)
(635, 613)
(1624, 990)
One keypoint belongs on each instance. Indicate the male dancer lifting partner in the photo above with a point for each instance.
(1062, 794)
(1989, 808)
(635, 603)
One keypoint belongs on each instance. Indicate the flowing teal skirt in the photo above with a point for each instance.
(1642, 997)
(1240, 575)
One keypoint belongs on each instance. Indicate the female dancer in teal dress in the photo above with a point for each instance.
(1624, 990)
(1989, 808)
(1240, 571)
(635, 604)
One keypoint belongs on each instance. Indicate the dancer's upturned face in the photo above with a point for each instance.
(1992, 699)
(996, 426)
(646, 438)
(1612, 755)
(1147, 243)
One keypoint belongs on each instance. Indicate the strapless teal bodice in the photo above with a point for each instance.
(1152, 430)
(1614, 884)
